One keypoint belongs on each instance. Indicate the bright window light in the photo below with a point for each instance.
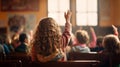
(86, 12)
(56, 9)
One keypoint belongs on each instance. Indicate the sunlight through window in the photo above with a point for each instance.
(86, 12)
(56, 9)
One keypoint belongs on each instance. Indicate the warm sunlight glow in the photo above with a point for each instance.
(86, 12)
(56, 9)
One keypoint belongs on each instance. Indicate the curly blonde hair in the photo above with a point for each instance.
(47, 37)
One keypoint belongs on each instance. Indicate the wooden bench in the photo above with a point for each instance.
(75, 60)
(24, 57)
(10, 63)
(115, 60)
(82, 63)
(105, 59)
(2, 56)
(83, 56)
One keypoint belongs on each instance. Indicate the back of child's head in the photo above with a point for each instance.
(82, 36)
(22, 37)
(48, 27)
(99, 41)
(111, 43)
(47, 36)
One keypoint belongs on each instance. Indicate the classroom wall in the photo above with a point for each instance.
(109, 12)
(39, 14)
(117, 12)
(105, 12)
(42, 12)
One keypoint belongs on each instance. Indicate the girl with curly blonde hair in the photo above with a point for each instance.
(48, 42)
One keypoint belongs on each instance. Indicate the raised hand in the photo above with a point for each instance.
(114, 28)
(68, 15)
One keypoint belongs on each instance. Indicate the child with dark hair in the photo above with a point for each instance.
(23, 38)
(99, 47)
(48, 43)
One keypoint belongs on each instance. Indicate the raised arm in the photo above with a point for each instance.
(94, 38)
(68, 29)
(115, 30)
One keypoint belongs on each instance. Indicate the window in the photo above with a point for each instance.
(56, 9)
(86, 12)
